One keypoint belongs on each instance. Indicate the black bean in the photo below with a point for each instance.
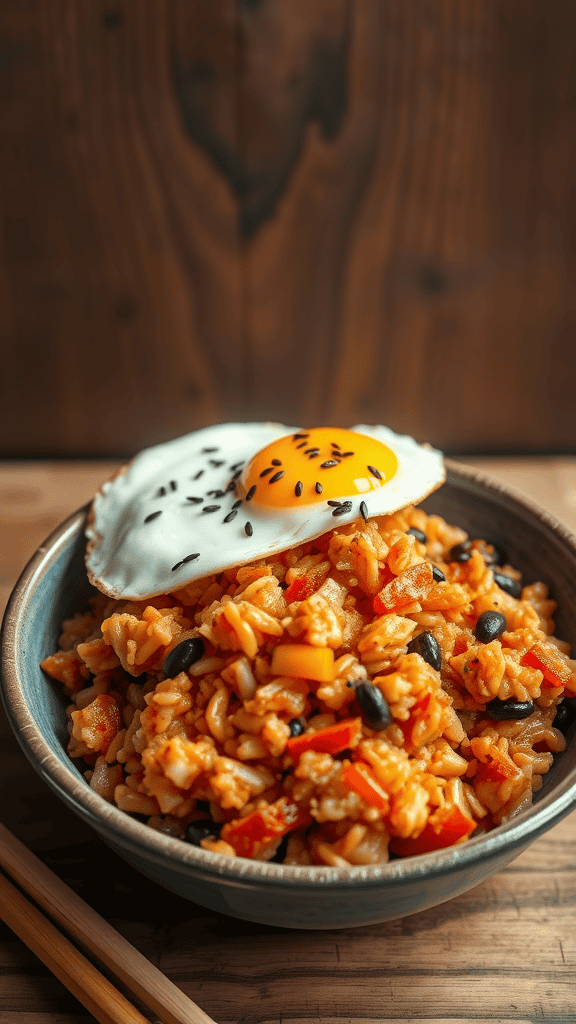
(489, 626)
(427, 646)
(374, 706)
(565, 714)
(501, 710)
(183, 655)
(296, 727)
(507, 584)
(196, 831)
(460, 552)
(414, 532)
(437, 575)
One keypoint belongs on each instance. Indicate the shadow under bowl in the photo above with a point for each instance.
(54, 586)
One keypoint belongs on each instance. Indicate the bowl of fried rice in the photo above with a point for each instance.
(346, 733)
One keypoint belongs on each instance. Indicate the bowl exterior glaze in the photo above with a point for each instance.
(54, 586)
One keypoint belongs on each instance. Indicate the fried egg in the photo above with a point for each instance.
(238, 492)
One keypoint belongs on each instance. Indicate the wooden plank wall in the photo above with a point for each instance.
(338, 211)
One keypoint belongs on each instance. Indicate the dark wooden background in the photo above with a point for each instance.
(325, 211)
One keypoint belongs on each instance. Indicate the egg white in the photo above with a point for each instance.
(130, 558)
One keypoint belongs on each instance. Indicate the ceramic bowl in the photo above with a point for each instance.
(54, 586)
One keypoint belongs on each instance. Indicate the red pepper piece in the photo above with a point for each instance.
(362, 780)
(332, 740)
(556, 673)
(455, 825)
(251, 835)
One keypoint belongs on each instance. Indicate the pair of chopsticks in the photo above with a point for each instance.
(105, 1002)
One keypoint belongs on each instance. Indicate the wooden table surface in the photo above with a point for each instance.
(503, 952)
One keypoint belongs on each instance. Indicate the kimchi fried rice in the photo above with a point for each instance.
(389, 688)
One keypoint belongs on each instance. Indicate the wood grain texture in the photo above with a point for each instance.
(346, 211)
(503, 953)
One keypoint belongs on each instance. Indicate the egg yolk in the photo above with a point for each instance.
(315, 466)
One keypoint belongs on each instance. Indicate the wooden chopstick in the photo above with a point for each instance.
(80, 977)
(97, 936)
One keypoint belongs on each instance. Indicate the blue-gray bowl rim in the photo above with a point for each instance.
(132, 836)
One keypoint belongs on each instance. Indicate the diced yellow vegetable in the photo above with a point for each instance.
(304, 662)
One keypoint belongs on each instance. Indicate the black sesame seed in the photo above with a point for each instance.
(296, 727)
(231, 486)
(275, 462)
(216, 463)
(303, 445)
(277, 476)
(153, 515)
(211, 508)
(489, 626)
(318, 487)
(265, 472)
(345, 455)
(501, 710)
(230, 516)
(190, 558)
(298, 489)
(248, 529)
(177, 566)
(374, 706)
(335, 444)
(312, 451)
(193, 500)
(208, 451)
(198, 474)
(375, 472)
(237, 465)
(414, 532)
(460, 552)
(161, 493)
(437, 575)
(329, 463)
(251, 493)
(196, 831)
(364, 511)
(426, 645)
(173, 485)
(334, 504)
(507, 584)
(343, 509)
(237, 503)
(186, 653)
(236, 474)
(215, 494)
(296, 437)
